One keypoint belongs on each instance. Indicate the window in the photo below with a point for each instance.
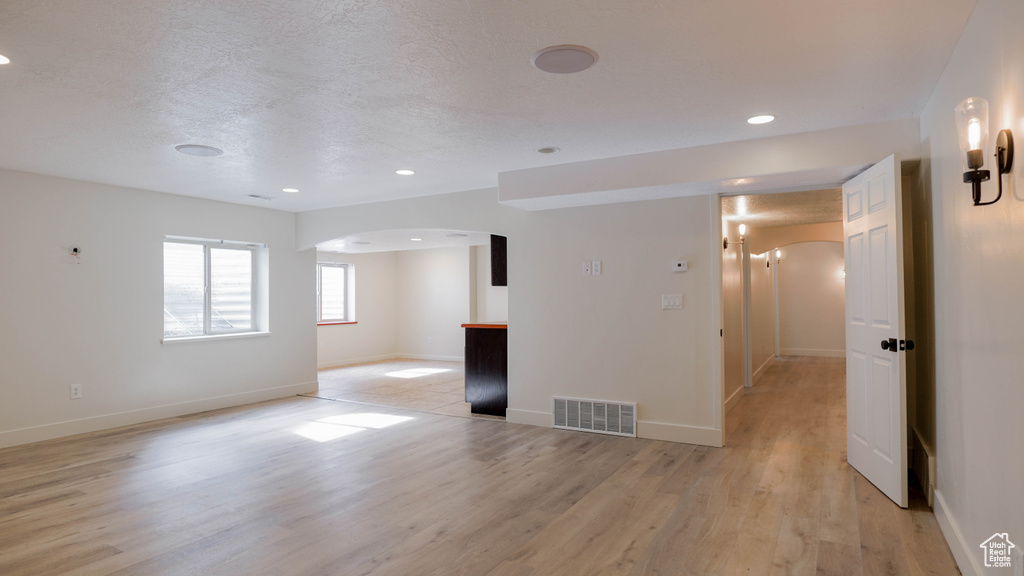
(209, 287)
(332, 292)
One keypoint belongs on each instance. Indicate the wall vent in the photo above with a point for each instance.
(596, 416)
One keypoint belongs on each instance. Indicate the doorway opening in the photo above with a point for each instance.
(408, 293)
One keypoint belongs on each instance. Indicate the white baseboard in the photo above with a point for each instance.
(351, 361)
(545, 419)
(107, 421)
(963, 553)
(734, 398)
(764, 368)
(432, 357)
(679, 433)
(813, 352)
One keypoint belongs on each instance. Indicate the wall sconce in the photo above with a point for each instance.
(972, 129)
(725, 241)
(778, 256)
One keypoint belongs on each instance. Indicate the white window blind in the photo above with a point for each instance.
(332, 292)
(209, 287)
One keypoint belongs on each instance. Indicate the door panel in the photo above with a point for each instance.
(875, 377)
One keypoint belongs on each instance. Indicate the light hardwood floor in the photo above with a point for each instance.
(246, 491)
(424, 385)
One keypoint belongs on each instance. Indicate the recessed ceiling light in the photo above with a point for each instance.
(763, 119)
(290, 190)
(359, 242)
(4, 60)
(548, 149)
(565, 59)
(416, 239)
(198, 150)
(404, 172)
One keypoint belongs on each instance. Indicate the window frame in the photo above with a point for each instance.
(208, 246)
(349, 316)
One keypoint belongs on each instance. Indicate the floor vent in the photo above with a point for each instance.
(596, 416)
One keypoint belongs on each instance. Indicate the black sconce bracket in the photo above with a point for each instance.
(1004, 163)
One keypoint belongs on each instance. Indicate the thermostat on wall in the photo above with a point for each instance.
(679, 265)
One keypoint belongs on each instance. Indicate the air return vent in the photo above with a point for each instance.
(596, 416)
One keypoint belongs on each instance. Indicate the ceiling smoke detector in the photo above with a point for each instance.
(198, 150)
(565, 59)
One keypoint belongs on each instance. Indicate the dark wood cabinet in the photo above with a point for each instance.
(499, 260)
(487, 368)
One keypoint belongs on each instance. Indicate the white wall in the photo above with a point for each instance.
(433, 303)
(490, 302)
(99, 323)
(374, 336)
(812, 300)
(762, 316)
(602, 337)
(732, 313)
(977, 427)
(408, 304)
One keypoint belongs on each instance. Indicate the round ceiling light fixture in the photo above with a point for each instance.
(548, 149)
(564, 59)
(762, 119)
(4, 60)
(404, 172)
(199, 150)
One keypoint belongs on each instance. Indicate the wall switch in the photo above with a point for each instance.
(76, 391)
(671, 301)
(679, 265)
(586, 267)
(595, 267)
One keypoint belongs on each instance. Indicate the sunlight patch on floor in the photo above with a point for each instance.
(334, 427)
(417, 372)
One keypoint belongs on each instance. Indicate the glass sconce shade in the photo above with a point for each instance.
(972, 128)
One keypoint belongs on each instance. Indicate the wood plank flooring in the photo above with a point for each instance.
(424, 385)
(304, 486)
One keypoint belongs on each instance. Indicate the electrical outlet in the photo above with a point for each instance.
(595, 267)
(586, 267)
(679, 266)
(76, 391)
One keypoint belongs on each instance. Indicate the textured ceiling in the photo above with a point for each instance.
(791, 208)
(392, 240)
(332, 96)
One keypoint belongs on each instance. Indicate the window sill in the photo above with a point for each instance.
(334, 323)
(207, 337)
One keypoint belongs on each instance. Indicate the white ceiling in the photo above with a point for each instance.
(788, 209)
(392, 240)
(332, 96)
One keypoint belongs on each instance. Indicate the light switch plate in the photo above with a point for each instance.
(595, 267)
(679, 265)
(671, 301)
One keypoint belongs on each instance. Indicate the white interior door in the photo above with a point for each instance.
(876, 376)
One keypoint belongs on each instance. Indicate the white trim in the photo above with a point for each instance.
(962, 552)
(734, 398)
(230, 336)
(530, 418)
(116, 420)
(813, 352)
(764, 368)
(680, 433)
(717, 316)
(352, 361)
(431, 357)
